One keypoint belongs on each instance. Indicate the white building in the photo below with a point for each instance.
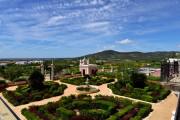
(86, 68)
(150, 71)
(3, 64)
(21, 62)
(35, 62)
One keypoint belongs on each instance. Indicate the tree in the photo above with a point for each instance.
(36, 80)
(138, 80)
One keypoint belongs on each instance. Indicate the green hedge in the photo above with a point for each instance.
(151, 93)
(24, 94)
(29, 115)
(99, 108)
(97, 114)
(123, 111)
(64, 113)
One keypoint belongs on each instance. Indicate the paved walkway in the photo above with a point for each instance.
(5, 112)
(161, 111)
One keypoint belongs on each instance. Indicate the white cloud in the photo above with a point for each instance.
(125, 42)
(96, 24)
(54, 20)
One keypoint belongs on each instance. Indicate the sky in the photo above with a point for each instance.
(70, 28)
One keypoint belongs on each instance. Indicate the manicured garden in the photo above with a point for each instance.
(83, 107)
(92, 81)
(25, 94)
(139, 88)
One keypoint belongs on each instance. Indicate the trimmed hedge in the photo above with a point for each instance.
(24, 94)
(64, 113)
(123, 111)
(99, 108)
(29, 115)
(144, 110)
(97, 114)
(151, 93)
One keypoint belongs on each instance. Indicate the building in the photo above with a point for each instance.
(86, 68)
(156, 73)
(21, 62)
(35, 62)
(150, 71)
(170, 68)
(3, 64)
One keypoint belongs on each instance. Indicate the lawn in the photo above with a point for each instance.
(25, 94)
(83, 107)
(92, 81)
(152, 92)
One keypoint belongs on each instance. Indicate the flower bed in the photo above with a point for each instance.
(151, 92)
(24, 94)
(83, 107)
(92, 81)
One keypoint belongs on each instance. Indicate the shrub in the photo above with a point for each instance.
(64, 113)
(136, 118)
(3, 84)
(100, 108)
(124, 111)
(112, 117)
(35, 80)
(81, 104)
(138, 80)
(151, 92)
(147, 98)
(144, 110)
(97, 114)
(103, 104)
(29, 115)
(25, 94)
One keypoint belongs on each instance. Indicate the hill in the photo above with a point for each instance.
(115, 55)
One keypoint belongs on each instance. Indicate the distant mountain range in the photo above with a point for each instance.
(115, 55)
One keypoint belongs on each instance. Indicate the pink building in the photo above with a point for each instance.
(86, 68)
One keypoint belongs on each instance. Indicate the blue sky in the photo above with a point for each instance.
(68, 28)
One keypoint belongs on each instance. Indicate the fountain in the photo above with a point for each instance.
(86, 89)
